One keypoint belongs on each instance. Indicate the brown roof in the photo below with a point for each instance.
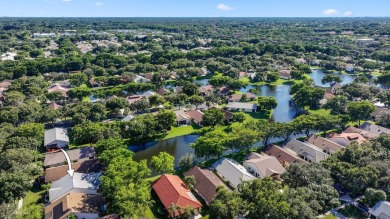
(285, 73)
(196, 115)
(285, 157)
(227, 115)
(162, 91)
(5, 84)
(132, 99)
(74, 203)
(54, 105)
(207, 89)
(171, 190)
(84, 166)
(149, 76)
(364, 133)
(224, 90)
(337, 86)
(347, 137)
(328, 96)
(234, 97)
(243, 74)
(325, 144)
(56, 158)
(206, 183)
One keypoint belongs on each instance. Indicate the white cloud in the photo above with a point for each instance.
(348, 13)
(330, 12)
(224, 7)
(66, 0)
(99, 4)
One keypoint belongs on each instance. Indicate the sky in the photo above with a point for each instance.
(194, 8)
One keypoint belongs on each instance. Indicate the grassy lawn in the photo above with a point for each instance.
(320, 112)
(182, 130)
(377, 73)
(352, 212)
(33, 197)
(329, 216)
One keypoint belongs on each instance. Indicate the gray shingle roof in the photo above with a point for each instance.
(232, 171)
(375, 128)
(56, 134)
(83, 181)
(381, 210)
(311, 152)
(241, 105)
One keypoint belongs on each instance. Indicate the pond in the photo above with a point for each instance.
(176, 147)
(317, 76)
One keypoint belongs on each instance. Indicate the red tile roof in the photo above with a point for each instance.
(172, 190)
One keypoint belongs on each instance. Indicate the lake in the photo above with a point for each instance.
(317, 76)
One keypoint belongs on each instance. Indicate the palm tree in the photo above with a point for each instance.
(172, 210)
(189, 211)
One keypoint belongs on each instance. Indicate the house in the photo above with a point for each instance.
(238, 97)
(242, 74)
(147, 94)
(44, 35)
(182, 118)
(87, 183)
(170, 189)
(335, 87)
(325, 144)
(206, 183)
(127, 118)
(58, 88)
(5, 84)
(162, 91)
(381, 210)
(93, 82)
(204, 71)
(140, 79)
(375, 128)
(149, 76)
(285, 156)
(349, 68)
(345, 139)
(56, 138)
(8, 56)
(58, 158)
(364, 133)
(232, 172)
(308, 151)
(178, 90)
(196, 116)
(207, 90)
(228, 116)
(54, 106)
(75, 203)
(83, 166)
(134, 98)
(285, 74)
(262, 165)
(223, 91)
(379, 110)
(240, 106)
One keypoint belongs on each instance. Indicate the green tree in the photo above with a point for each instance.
(239, 117)
(165, 119)
(79, 93)
(373, 196)
(272, 77)
(266, 103)
(301, 175)
(78, 79)
(196, 100)
(163, 163)
(156, 100)
(384, 80)
(264, 197)
(360, 110)
(243, 138)
(331, 79)
(213, 144)
(213, 117)
(186, 162)
(227, 205)
(337, 105)
(13, 185)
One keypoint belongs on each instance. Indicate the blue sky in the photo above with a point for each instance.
(194, 8)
